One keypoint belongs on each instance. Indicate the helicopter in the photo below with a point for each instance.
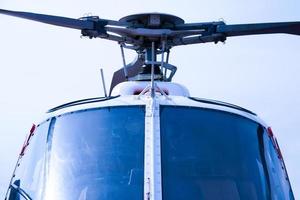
(147, 136)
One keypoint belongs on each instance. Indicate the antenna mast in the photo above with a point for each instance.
(103, 82)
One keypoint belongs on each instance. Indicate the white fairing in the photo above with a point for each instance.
(177, 95)
(136, 87)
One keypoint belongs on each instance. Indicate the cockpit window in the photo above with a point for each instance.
(30, 173)
(209, 154)
(97, 154)
(278, 177)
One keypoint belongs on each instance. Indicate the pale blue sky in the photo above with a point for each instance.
(43, 66)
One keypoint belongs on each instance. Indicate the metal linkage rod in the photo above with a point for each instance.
(167, 61)
(163, 43)
(124, 62)
(152, 70)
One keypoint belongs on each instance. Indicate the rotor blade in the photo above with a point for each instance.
(53, 20)
(263, 28)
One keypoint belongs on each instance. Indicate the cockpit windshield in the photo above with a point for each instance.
(208, 154)
(205, 154)
(97, 154)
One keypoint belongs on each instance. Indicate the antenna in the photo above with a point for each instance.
(103, 82)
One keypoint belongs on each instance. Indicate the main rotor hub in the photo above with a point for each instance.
(152, 20)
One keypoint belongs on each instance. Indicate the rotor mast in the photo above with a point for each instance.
(153, 43)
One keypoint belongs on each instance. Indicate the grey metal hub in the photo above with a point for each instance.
(152, 20)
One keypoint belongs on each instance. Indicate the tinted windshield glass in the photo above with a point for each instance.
(97, 154)
(209, 154)
(30, 173)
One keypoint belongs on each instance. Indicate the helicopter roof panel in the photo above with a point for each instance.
(136, 87)
(132, 100)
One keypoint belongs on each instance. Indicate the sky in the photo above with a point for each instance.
(43, 66)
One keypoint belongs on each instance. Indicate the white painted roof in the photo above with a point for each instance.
(136, 87)
(178, 95)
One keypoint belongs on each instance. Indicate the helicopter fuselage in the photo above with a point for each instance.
(135, 146)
